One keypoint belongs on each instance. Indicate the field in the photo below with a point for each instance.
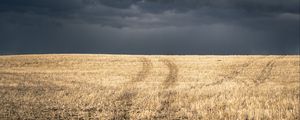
(149, 87)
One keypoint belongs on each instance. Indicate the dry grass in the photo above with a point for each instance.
(149, 87)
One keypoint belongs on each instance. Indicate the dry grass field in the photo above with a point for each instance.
(121, 87)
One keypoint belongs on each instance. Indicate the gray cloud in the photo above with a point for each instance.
(150, 26)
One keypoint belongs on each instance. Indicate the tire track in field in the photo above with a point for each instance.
(167, 97)
(173, 73)
(147, 65)
(266, 72)
(122, 110)
(233, 74)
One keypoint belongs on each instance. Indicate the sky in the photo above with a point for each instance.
(196, 27)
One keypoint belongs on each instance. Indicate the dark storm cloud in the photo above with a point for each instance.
(247, 5)
(150, 26)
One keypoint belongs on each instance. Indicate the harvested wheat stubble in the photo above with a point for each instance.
(149, 87)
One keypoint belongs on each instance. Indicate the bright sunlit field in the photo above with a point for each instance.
(149, 87)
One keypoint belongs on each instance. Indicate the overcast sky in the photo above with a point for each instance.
(150, 26)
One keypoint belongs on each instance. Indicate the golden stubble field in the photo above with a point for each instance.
(149, 87)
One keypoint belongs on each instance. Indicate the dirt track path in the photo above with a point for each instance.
(234, 74)
(147, 66)
(166, 109)
(173, 73)
(266, 72)
(125, 100)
